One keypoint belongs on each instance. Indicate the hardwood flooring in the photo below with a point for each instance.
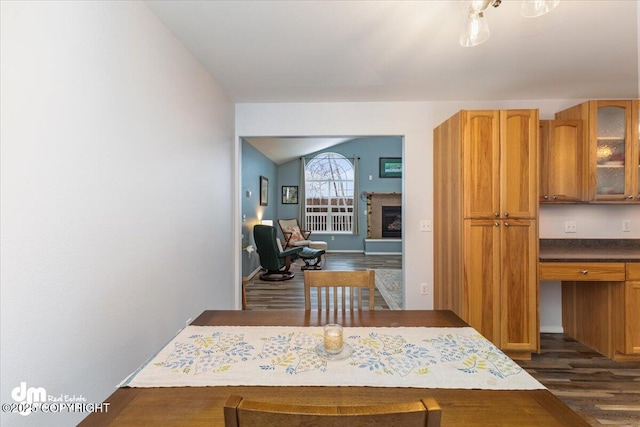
(603, 392)
(289, 294)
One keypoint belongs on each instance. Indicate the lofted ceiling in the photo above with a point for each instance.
(318, 51)
(364, 51)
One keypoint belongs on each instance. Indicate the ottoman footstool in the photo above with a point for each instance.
(309, 255)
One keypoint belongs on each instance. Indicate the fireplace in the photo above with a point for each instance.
(391, 221)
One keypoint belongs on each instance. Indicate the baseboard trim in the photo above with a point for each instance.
(551, 329)
(253, 274)
(383, 253)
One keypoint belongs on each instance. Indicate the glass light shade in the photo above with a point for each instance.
(475, 6)
(475, 30)
(535, 8)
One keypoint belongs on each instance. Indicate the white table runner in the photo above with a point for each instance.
(287, 356)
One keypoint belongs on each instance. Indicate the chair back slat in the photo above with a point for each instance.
(340, 289)
(239, 412)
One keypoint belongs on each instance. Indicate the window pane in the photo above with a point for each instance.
(330, 193)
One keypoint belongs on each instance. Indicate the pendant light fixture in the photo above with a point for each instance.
(535, 8)
(475, 28)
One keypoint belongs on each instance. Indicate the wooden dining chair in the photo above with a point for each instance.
(239, 412)
(339, 286)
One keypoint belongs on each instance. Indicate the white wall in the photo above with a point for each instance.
(413, 120)
(117, 161)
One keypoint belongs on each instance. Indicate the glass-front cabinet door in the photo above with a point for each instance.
(615, 171)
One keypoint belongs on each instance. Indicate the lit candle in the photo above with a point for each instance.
(333, 338)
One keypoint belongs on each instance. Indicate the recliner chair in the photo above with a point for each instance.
(275, 261)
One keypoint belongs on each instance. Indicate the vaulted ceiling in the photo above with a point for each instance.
(316, 51)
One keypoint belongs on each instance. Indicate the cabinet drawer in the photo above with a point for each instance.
(583, 271)
(633, 271)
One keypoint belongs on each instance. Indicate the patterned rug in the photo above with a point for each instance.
(389, 284)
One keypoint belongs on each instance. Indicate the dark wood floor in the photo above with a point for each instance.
(604, 392)
(290, 293)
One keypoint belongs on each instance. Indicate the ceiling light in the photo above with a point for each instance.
(535, 8)
(475, 28)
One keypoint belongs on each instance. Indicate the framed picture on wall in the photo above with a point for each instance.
(289, 194)
(264, 191)
(390, 167)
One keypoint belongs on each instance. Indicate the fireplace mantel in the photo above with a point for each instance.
(375, 201)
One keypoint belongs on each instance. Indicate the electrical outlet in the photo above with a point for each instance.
(570, 227)
(424, 288)
(425, 225)
(626, 225)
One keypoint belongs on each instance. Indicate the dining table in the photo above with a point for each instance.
(203, 405)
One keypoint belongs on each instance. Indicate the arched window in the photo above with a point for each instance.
(329, 192)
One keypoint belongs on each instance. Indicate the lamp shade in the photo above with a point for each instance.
(535, 8)
(267, 222)
(475, 30)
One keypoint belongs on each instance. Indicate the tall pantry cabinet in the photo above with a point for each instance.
(485, 224)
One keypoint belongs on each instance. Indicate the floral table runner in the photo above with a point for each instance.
(288, 356)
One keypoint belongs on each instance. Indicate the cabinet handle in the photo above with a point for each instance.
(506, 214)
(545, 197)
(630, 197)
(506, 224)
(497, 214)
(497, 224)
(585, 272)
(554, 197)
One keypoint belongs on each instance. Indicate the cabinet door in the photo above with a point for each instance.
(519, 285)
(519, 163)
(481, 277)
(635, 151)
(610, 150)
(632, 319)
(562, 162)
(481, 164)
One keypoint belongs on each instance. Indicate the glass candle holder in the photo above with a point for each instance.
(333, 338)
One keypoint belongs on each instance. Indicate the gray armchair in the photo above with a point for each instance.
(272, 259)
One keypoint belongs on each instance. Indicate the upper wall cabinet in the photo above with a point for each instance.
(610, 137)
(562, 162)
(500, 163)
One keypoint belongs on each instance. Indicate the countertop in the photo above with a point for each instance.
(592, 250)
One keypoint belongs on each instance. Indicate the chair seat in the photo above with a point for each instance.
(318, 244)
(300, 243)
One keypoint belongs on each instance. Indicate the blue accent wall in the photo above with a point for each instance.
(369, 149)
(254, 165)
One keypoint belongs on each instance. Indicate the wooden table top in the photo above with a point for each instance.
(195, 406)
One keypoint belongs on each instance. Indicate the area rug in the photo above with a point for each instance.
(389, 284)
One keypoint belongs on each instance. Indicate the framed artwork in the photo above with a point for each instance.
(264, 191)
(289, 194)
(390, 167)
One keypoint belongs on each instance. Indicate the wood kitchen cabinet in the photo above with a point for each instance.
(626, 301)
(485, 224)
(600, 305)
(563, 175)
(635, 138)
(611, 140)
